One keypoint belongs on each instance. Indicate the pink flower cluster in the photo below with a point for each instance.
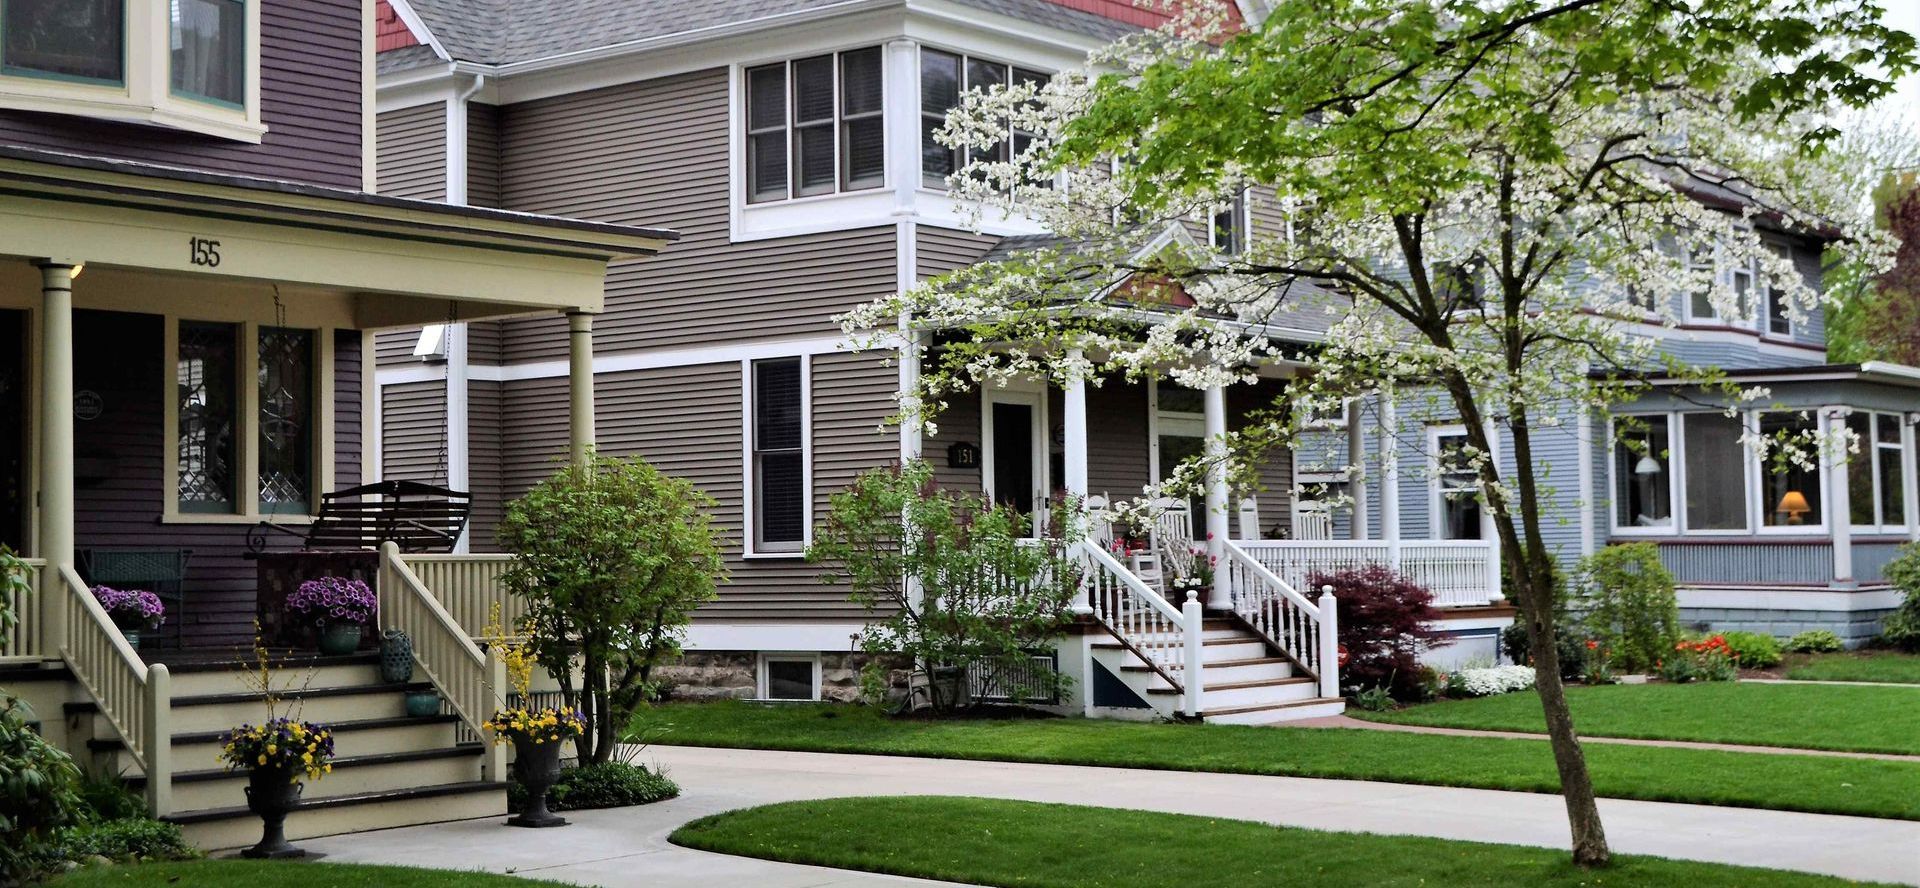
(334, 600)
(131, 608)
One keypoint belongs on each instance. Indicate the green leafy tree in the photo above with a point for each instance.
(1632, 609)
(1487, 200)
(14, 587)
(39, 797)
(614, 556)
(950, 582)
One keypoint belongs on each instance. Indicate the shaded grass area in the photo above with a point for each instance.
(1837, 717)
(285, 874)
(1875, 666)
(999, 842)
(1828, 785)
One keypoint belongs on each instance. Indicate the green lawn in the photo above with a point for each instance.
(1752, 780)
(284, 874)
(1031, 845)
(1881, 666)
(1841, 717)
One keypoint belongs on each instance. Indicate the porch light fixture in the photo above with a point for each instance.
(1794, 506)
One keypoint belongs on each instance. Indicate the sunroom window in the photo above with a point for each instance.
(1790, 494)
(1876, 486)
(814, 126)
(207, 47)
(1716, 467)
(81, 40)
(1643, 476)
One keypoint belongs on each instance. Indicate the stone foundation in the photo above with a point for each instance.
(1855, 628)
(733, 675)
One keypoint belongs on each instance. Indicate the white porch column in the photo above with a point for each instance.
(1839, 501)
(1584, 440)
(1075, 407)
(1490, 526)
(459, 450)
(1216, 419)
(1390, 481)
(1357, 471)
(56, 445)
(911, 439)
(1911, 488)
(580, 383)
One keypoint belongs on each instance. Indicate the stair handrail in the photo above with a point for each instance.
(134, 696)
(1167, 639)
(471, 681)
(1307, 632)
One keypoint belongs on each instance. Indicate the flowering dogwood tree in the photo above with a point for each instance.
(1487, 200)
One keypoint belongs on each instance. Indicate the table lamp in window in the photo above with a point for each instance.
(1794, 506)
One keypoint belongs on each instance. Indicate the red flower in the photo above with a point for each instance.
(1592, 645)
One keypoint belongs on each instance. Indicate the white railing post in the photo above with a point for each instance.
(493, 767)
(1193, 618)
(1215, 403)
(1390, 481)
(1074, 405)
(1329, 643)
(157, 739)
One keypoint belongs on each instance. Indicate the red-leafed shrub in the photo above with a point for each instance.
(1386, 620)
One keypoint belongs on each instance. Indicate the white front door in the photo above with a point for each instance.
(1013, 462)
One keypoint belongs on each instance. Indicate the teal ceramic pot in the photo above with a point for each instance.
(396, 657)
(340, 638)
(421, 704)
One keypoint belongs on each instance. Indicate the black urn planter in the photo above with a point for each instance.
(538, 765)
(272, 793)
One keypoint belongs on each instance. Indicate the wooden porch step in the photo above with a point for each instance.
(233, 827)
(1210, 664)
(1247, 639)
(1268, 707)
(302, 693)
(352, 775)
(1242, 685)
(342, 763)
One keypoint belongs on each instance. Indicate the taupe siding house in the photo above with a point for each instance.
(786, 141)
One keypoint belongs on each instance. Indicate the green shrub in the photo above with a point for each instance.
(1570, 640)
(1901, 629)
(1632, 611)
(107, 797)
(605, 785)
(141, 838)
(38, 797)
(1753, 650)
(1815, 641)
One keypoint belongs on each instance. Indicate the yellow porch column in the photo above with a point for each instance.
(56, 444)
(580, 382)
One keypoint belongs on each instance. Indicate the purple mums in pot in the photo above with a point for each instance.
(131, 608)
(329, 600)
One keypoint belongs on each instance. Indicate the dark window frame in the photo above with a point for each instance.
(764, 455)
(790, 135)
(932, 120)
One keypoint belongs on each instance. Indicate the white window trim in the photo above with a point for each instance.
(1435, 496)
(798, 214)
(1748, 462)
(760, 690)
(146, 95)
(1030, 394)
(1757, 509)
(748, 533)
(1723, 272)
(247, 440)
(1870, 452)
(1242, 207)
(1674, 490)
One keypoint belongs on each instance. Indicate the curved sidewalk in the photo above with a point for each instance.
(628, 846)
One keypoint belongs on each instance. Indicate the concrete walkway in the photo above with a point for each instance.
(628, 846)
(1348, 721)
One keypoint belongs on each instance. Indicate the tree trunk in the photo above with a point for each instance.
(1576, 784)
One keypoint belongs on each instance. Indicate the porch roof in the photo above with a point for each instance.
(1883, 372)
(76, 208)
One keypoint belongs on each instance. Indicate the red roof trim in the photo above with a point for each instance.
(389, 31)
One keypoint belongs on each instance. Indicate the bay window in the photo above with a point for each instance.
(777, 484)
(1643, 476)
(944, 78)
(1715, 464)
(814, 126)
(188, 64)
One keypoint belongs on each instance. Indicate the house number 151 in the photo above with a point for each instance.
(205, 252)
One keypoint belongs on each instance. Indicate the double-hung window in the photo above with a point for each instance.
(1228, 227)
(815, 126)
(246, 420)
(778, 473)
(187, 64)
(1779, 322)
(944, 78)
(1876, 485)
(1456, 485)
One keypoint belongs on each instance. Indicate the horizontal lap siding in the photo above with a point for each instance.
(346, 407)
(485, 431)
(309, 101)
(1117, 451)
(655, 153)
(412, 152)
(483, 155)
(940, 250)
(959, 423)
(1275, 472)
(120, 493)
(413, 431)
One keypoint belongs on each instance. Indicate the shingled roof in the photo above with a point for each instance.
(501, 32)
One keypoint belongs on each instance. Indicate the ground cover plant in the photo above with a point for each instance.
(1871, 788)
(613, 784)
(1873, 666)
(1837, 717)
(1034, 845)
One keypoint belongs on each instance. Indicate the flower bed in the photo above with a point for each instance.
(1490, 681)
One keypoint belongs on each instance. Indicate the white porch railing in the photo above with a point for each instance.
(1457, 572)
(24, 640)
(134, 697)
(468, 586)
(1307, 632)
(471, 682)
(1165, 638)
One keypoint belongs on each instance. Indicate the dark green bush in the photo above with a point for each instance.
(1570, 641)
(1901, 629)
(605, 785)
(1753, 650)
(108, 798)
(1631, 607)
(38, 797)
(1815, 641)
(132, 837)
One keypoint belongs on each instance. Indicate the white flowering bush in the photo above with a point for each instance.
(1490, 681)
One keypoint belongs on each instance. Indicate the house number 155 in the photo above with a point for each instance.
(205, 252)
